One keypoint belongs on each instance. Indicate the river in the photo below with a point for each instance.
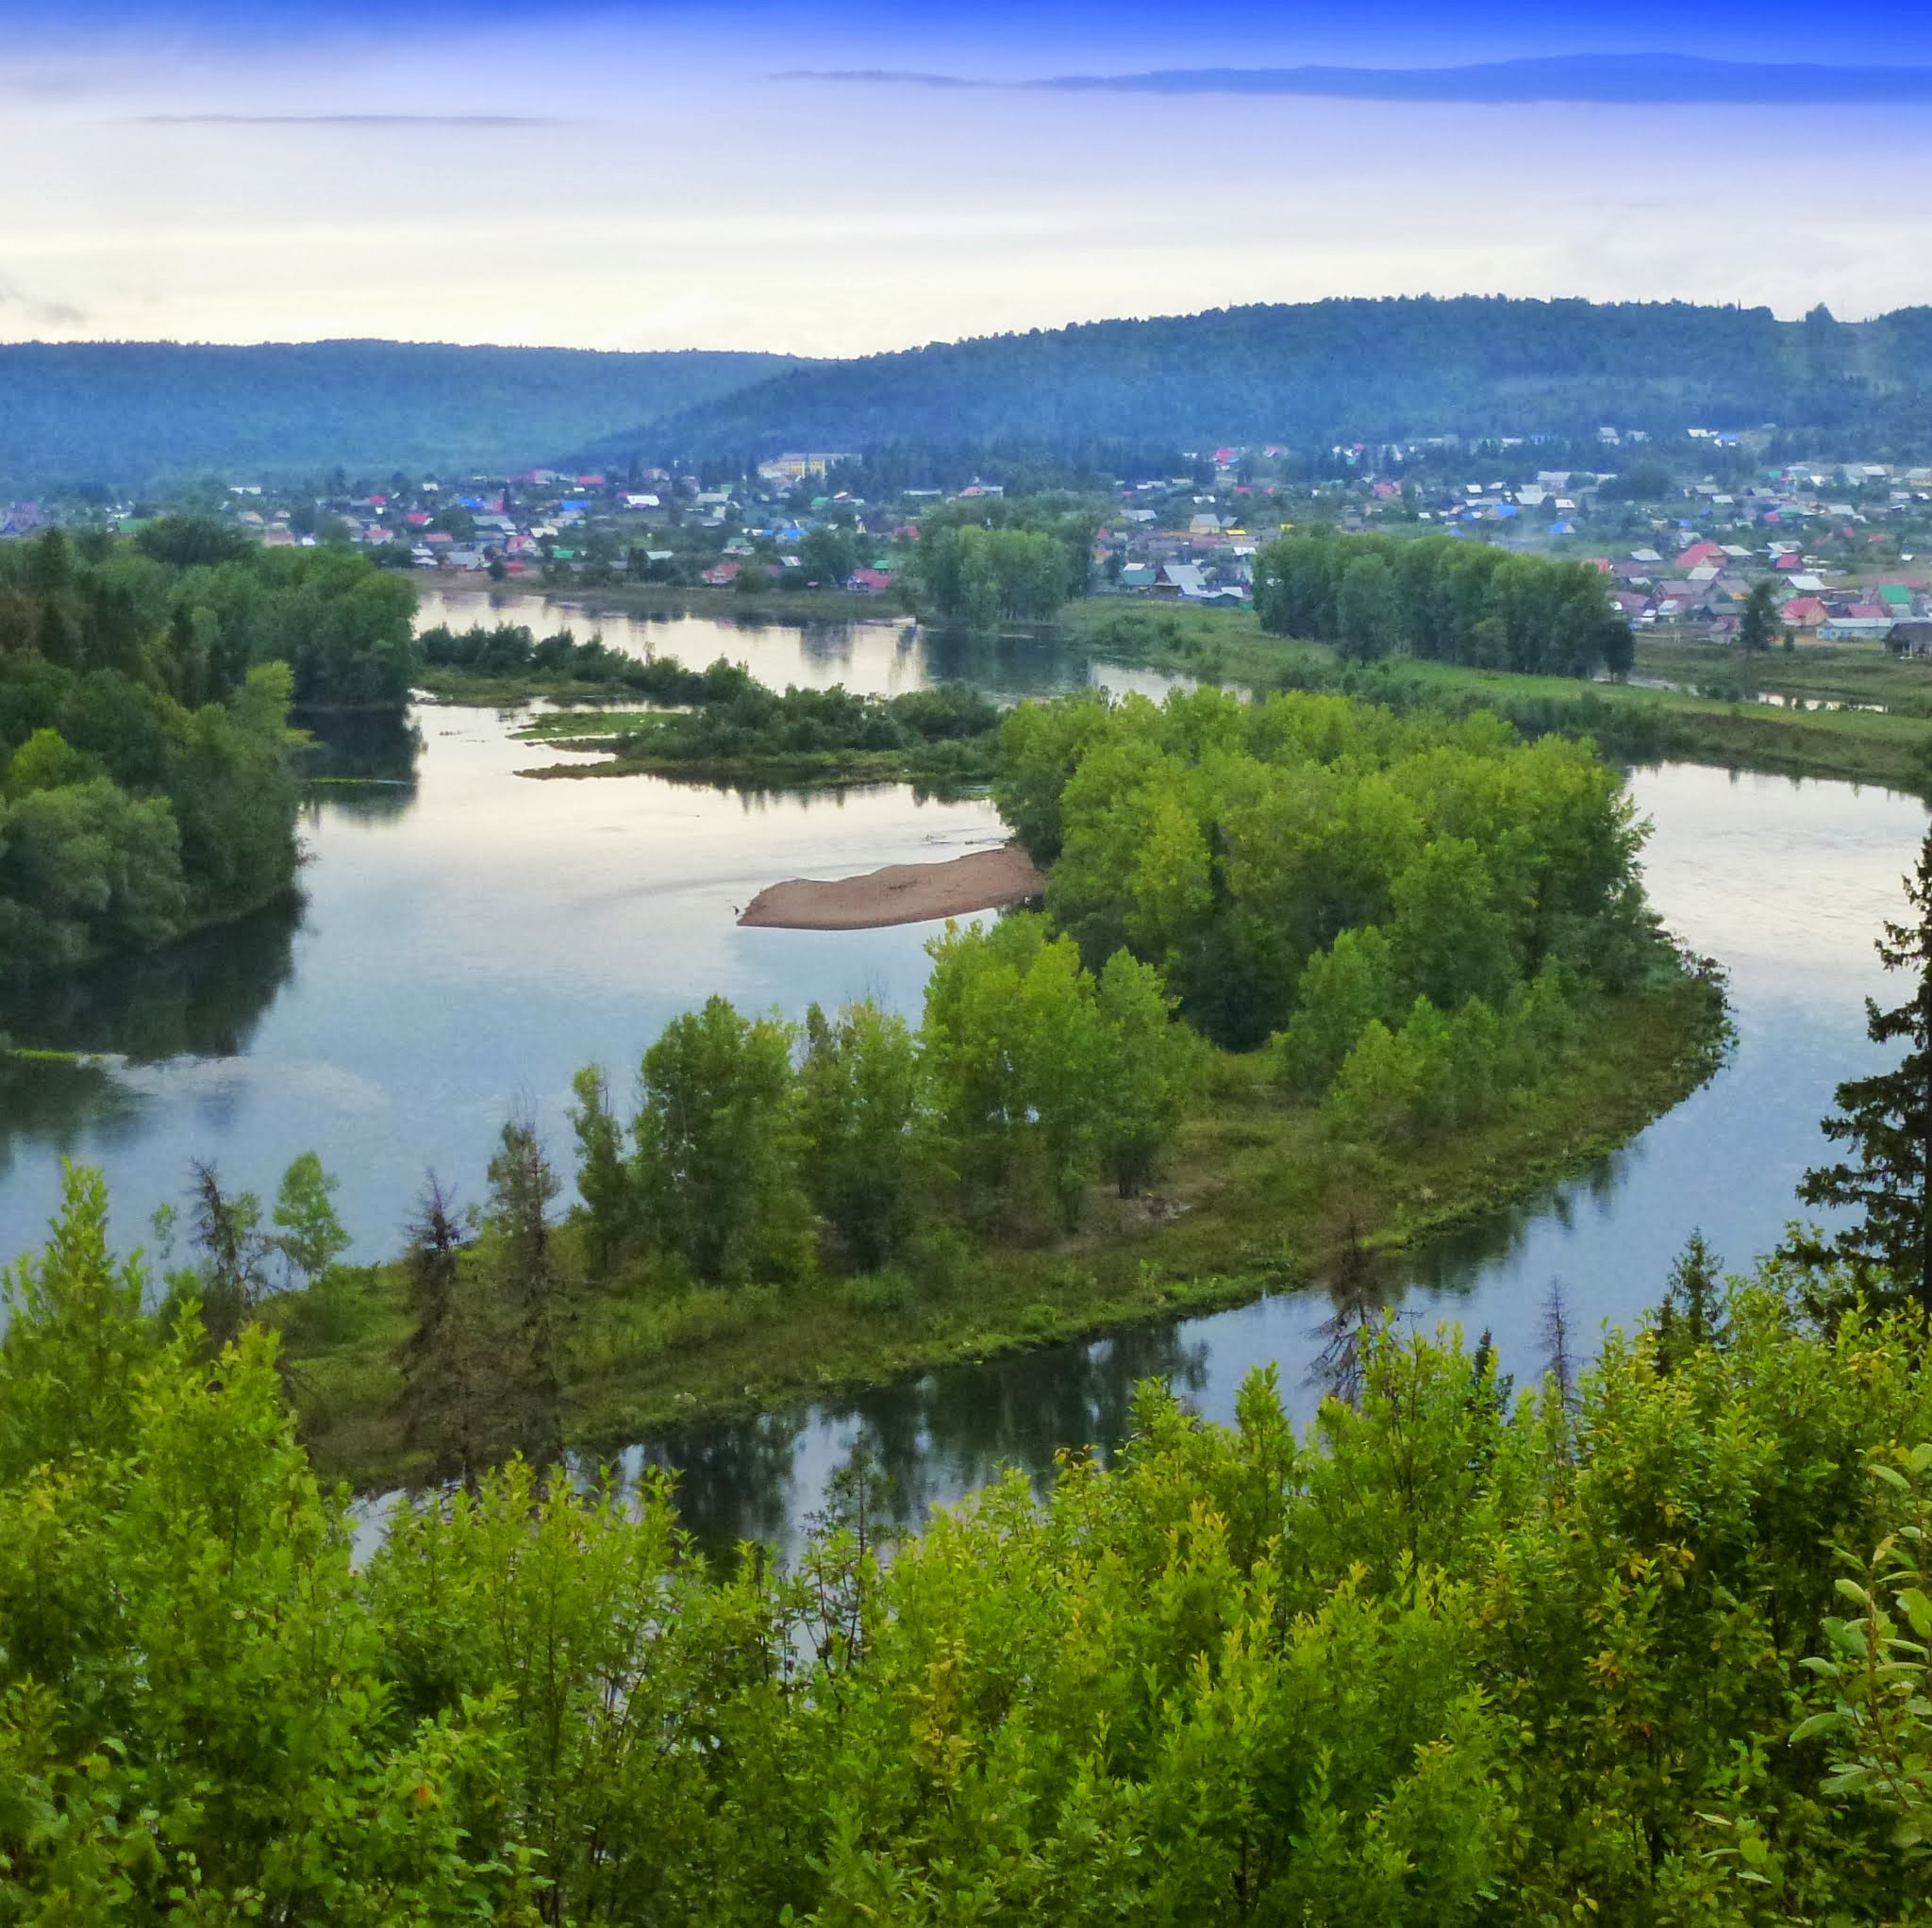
(468, 939)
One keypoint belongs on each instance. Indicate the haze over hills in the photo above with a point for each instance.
(1373, 368)
(125, 413)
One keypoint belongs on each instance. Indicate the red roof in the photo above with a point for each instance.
(1698, 554)
(1807, 611)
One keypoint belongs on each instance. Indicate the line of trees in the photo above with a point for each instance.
(1644, 1644)
(1442, 598)
(759, 1149)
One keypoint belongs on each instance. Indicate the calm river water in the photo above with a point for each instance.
(469, 939)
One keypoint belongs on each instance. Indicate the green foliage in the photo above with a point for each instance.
(858, 1097)
(76, 1340)
(1454, 601)
(716, 1144)
(984, 563)
(603, 1182)
(1758, 627)
(144, 696)
(1028, 1079)
(1231, 844)
(307, 1232)
(1888, 1118)
(1447, 1656)
(1878, 1663)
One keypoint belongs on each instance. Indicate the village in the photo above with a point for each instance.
(1681, 534)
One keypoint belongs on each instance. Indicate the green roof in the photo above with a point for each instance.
(1897, 594)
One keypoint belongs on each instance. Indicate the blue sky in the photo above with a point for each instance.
(639, 175)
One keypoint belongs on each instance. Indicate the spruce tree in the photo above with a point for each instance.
(443, 1377)
(1887, 1122)
(521, 1186)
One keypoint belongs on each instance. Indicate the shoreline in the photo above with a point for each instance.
(898, 893)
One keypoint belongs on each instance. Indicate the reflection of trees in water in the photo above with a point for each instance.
(203, 997)
(380, 746)
(381, 802)
(50, 1103)
(922, 1445)
(826, 643)
(1454, 1261)
(734, 1477)
(1019, 666)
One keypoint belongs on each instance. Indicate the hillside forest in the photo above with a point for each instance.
(1336, 371)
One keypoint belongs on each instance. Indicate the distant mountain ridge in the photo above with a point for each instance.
(1375, 368)
(124, 413)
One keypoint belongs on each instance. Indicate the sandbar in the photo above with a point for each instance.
(900, 893)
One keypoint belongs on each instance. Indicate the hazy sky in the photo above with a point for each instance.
(646, 177)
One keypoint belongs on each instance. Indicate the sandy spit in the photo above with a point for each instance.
(900, 893)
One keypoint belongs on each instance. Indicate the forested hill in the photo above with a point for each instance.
(1332, 369)
(126, 413)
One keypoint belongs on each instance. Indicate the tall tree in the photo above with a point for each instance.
(604, 1180)
(1757, 626)
(717, 1145)
(521, 1186)
(235, 1251)
(858, 1087)
(308, 1235)
(1887, 1121)
(443, 1399)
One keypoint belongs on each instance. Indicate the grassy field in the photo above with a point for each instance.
(1850, 673)
(1257, 1198)
(1638, 724)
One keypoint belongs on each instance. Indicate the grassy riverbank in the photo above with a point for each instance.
(1638, 724)
(1257, 1198)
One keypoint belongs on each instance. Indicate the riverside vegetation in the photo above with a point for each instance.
(1714, 720)
(1316, 978)
(1645, 1642)
(145, 687)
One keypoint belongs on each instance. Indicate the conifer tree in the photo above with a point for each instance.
(521, 1186)
(443, 1377)
(1887, 1122)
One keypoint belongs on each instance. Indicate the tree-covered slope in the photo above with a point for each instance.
(1471, 365)
(123, 413)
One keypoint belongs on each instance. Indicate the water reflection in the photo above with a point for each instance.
(204, 998)
(362, 746)
(51, 1106)
(880, 657)
(762, 1477)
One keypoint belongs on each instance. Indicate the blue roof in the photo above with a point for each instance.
(1560, 530)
